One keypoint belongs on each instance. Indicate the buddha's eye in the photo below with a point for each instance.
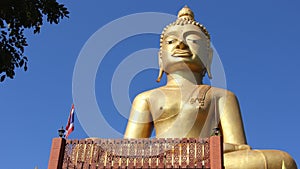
(194, 40)
(170, 41)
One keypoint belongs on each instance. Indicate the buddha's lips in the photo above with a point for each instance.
(182, 53)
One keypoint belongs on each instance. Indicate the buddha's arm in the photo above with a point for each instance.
(231, 122)
(140, 121)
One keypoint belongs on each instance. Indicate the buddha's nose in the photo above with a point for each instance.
(182, 45)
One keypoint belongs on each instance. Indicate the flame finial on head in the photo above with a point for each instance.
(186, 13)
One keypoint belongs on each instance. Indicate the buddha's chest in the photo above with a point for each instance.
(169, 105)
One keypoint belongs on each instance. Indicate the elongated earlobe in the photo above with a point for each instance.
(208, 65)
(159, 75)
(161, 70)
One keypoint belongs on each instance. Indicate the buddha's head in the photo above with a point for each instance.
(185, 45)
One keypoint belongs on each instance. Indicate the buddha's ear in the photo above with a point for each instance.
(209, 62)
(161, 70)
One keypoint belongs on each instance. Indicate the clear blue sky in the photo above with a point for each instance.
(258, 43)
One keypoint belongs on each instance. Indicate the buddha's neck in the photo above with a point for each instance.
(184, 78)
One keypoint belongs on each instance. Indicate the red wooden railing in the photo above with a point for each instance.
(136, 153)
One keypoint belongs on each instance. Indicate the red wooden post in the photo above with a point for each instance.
(216, 152)
(57, 153)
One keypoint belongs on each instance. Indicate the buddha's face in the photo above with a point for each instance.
(184, 47)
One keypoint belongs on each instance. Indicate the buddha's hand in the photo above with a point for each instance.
(235, 147)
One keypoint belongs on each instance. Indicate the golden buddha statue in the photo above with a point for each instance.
(185, 107)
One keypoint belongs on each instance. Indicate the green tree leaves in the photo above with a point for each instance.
(15, 16)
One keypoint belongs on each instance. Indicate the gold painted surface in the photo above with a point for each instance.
(176, 111)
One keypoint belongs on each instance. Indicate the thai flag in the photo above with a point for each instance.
(70, 125)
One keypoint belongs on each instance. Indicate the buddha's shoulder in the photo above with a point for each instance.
(220, 92)
(146, 94)
(152, 94)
